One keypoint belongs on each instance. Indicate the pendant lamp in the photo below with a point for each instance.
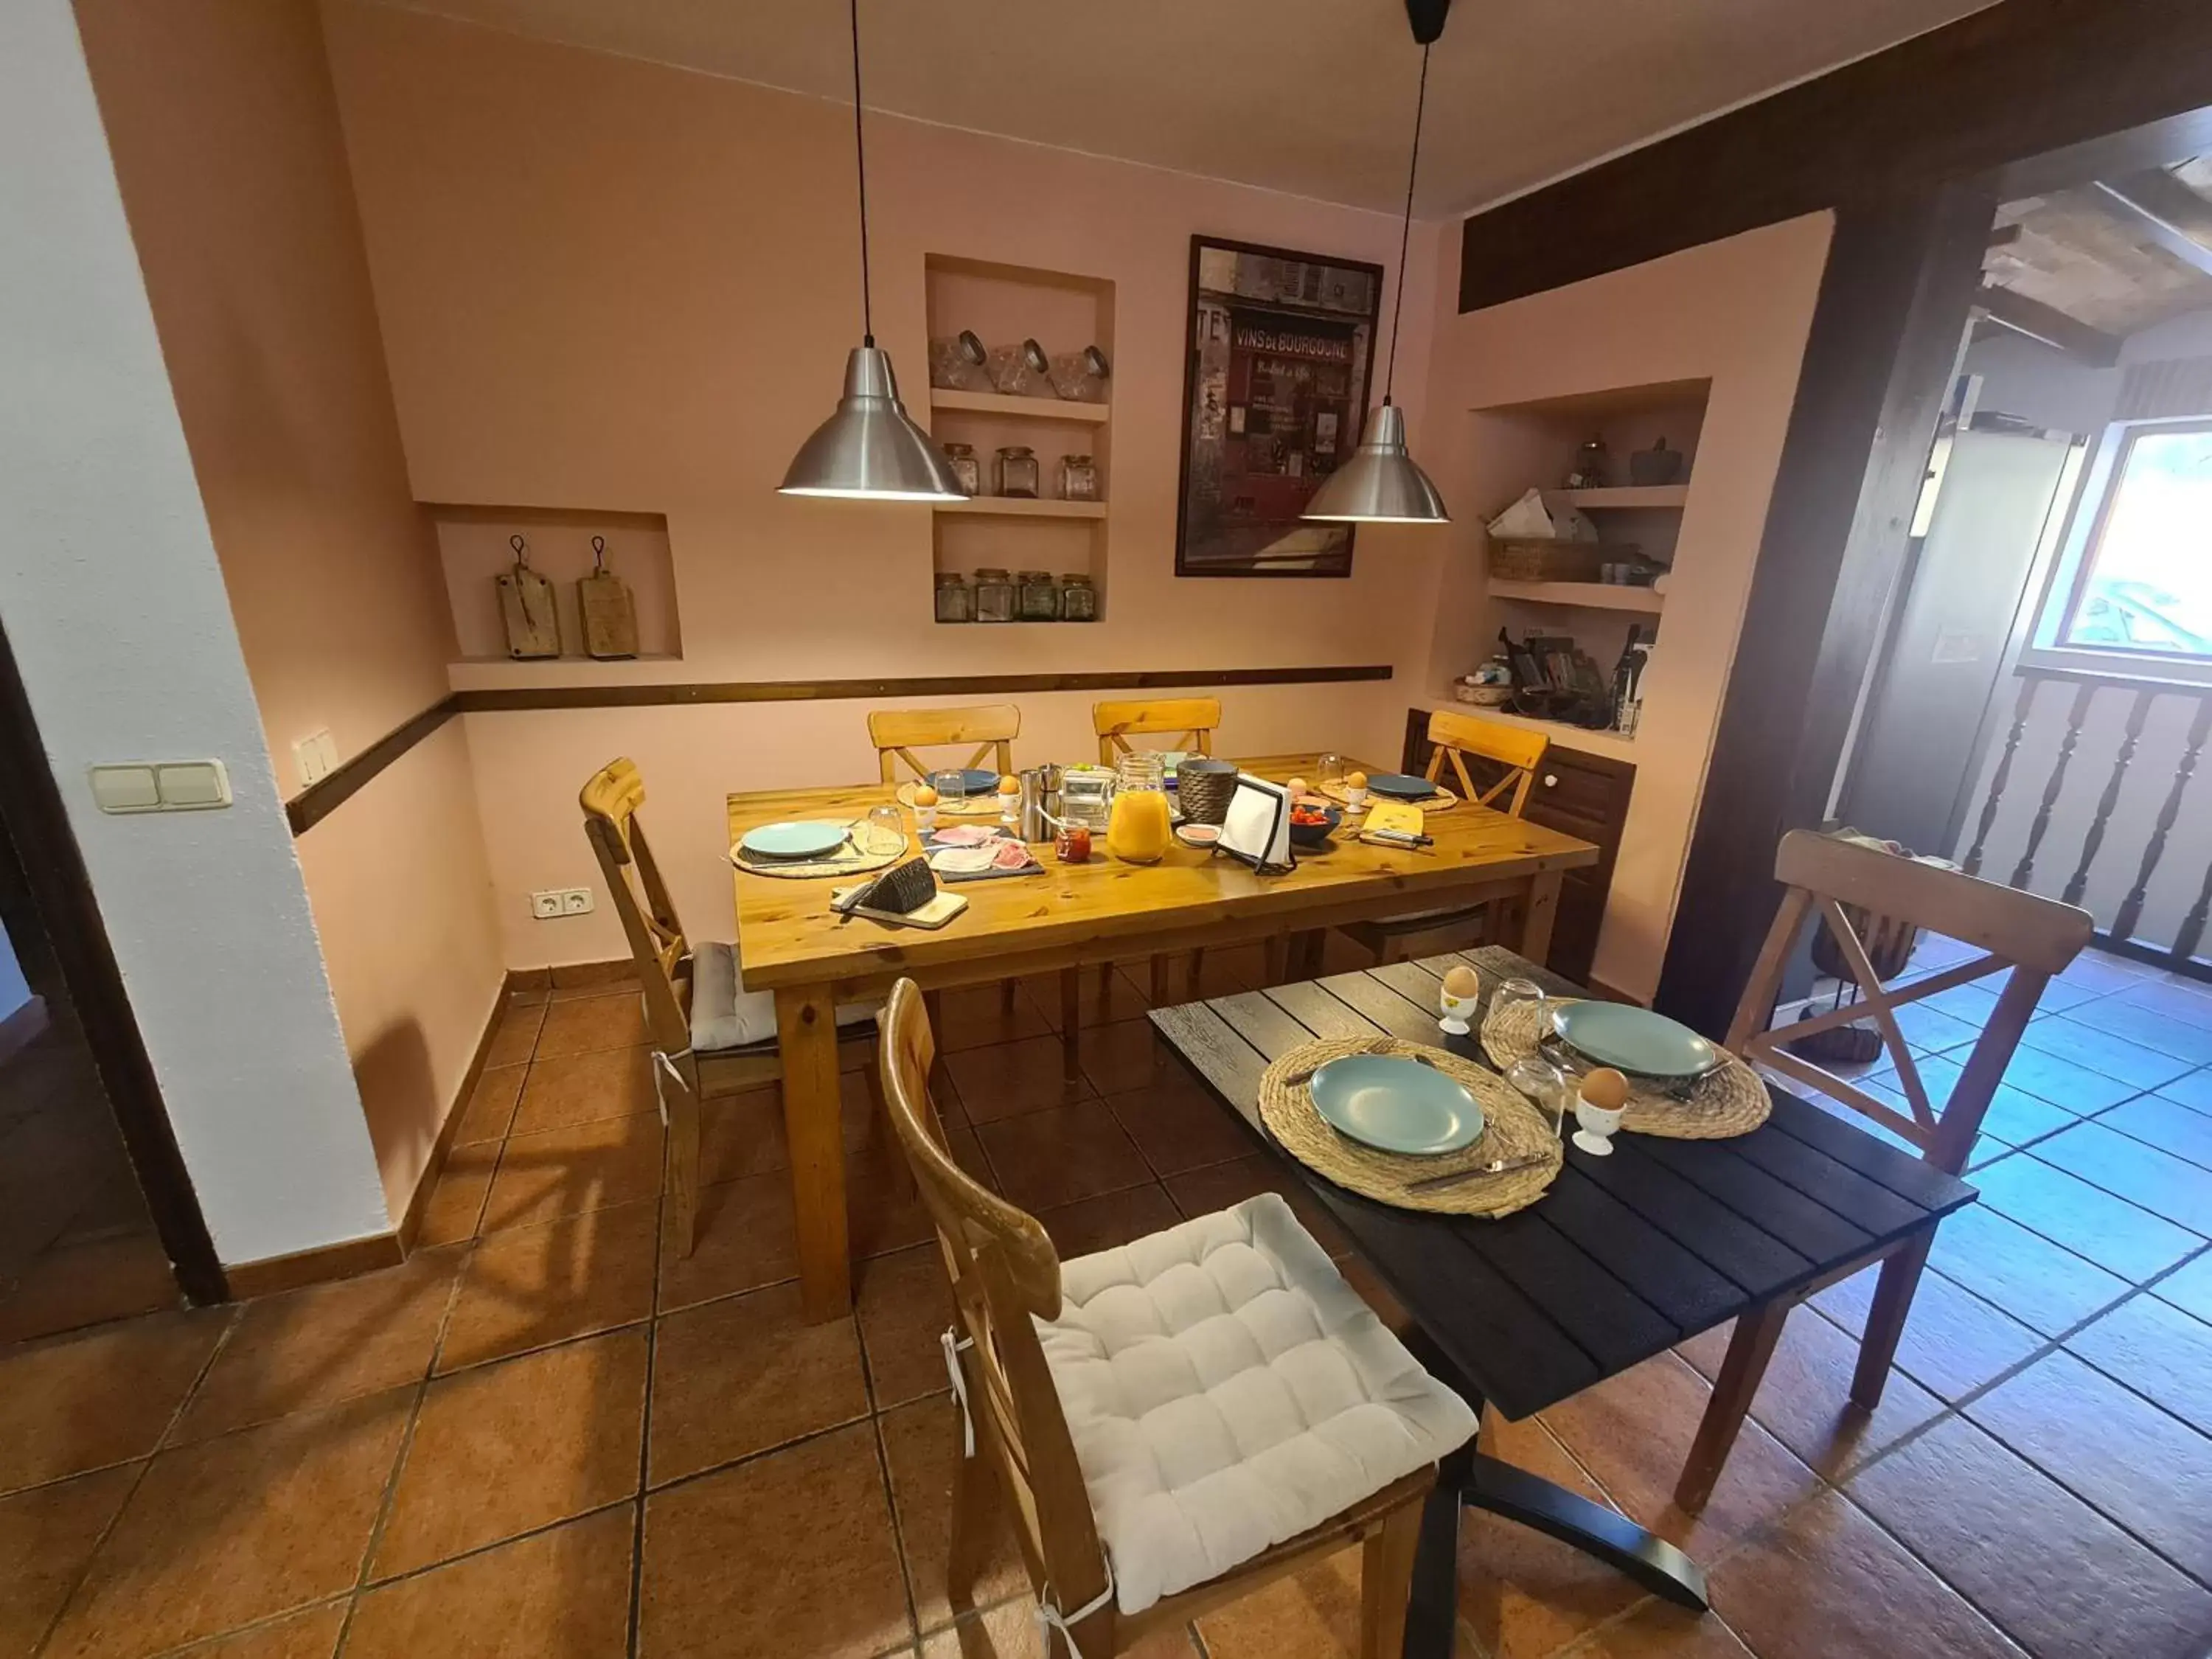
(1379, 483)
(870, 449)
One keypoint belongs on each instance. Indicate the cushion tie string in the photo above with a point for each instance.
(1049, 1618)
(663, 1062)
(945, 1341)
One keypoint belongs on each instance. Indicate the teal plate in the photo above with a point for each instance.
(1397, 1104)
(1402, 786)
(794, 840)
(1634, 1039)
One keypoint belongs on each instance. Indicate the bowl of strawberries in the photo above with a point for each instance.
(1313, 820)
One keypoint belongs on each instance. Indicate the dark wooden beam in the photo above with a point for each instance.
(1887, 333)
(2006, 83)
(2047, 324)
(2155, 205)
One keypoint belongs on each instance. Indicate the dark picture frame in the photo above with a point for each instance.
(1279, 359)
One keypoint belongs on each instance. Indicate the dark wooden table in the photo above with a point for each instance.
(1623, 1258)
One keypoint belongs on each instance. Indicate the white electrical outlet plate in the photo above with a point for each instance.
(545, 906)
(317, 755)
(195, 785)
(576, 902)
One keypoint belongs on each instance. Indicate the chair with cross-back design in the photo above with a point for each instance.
(710, 1036)
(1513, 757)
(1169, 1425)
(1860, 891)
(897, 733)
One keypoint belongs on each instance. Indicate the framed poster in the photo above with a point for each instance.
(1279, 350)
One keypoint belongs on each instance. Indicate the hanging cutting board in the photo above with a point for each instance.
(527, 608)
(608, 611)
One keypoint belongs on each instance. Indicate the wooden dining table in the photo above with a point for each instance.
(1075, 914)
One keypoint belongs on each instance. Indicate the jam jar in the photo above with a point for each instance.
(994, 596)
(1040, 597)
(1016, 472)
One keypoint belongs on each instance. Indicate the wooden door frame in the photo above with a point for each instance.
(35, 837)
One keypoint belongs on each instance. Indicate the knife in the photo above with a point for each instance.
(1496, 1166)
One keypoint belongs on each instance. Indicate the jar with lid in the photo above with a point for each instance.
(966, 467)
(1079, 478)
(955, 600)
(994, 596)
(1016, 472)
(1078, 599)
(1040, 597)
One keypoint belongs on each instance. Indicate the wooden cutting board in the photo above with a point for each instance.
(527, 608)
(610, 613)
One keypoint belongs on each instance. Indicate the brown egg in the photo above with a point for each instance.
(925, 796)
(1461, 982)
(1606, 1089)
(1010, 786)
(1355, 780)
(1297, 787)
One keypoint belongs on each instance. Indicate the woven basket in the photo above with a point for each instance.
(1552, 561)
(1203, 790)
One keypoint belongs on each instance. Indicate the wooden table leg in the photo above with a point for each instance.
(1537, 914)
(806, 1038)
(1071, 1019)
(1749, 1349)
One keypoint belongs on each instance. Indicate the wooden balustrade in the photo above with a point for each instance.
(2146, 919)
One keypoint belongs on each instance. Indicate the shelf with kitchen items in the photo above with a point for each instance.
(533, 585)
(1020, 370)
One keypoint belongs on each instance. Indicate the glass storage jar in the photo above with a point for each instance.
(1079, 478)
(955, 600)
(1016, 472)
(966, 467)
(1138, 824)
(1040, 597)
(994, 595)
(1078, 599)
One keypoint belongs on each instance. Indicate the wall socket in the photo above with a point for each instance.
(561, 901)
(316, 756)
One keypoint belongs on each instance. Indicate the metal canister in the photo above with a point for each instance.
(1040, 802)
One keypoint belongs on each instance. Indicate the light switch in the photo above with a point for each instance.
(317, 755)
(192, 785)
(125, 789)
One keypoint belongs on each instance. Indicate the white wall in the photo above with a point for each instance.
(112, 600)
(15, 990)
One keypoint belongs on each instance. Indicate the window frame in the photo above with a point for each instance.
(2069, 586)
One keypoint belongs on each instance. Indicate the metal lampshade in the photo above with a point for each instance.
(1380, 484)
(870, 449)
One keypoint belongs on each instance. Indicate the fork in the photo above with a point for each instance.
(1496, 1166)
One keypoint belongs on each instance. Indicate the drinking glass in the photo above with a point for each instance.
(1328, 775)
(885, 831)
(1515, 994)
(1545, 1088)
(952, 788)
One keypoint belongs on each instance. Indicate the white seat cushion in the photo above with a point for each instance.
(724, 1015)
(1227, 1390)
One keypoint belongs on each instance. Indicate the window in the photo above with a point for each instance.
(2145, 586)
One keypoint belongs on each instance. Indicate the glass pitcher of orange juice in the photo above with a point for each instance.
(1137, 830)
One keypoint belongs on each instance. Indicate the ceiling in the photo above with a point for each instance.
(1314, 97)
(2092, 256)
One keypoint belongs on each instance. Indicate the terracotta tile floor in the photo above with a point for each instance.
(544, 1436)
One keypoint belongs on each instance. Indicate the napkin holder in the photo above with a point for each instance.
(1256, 830)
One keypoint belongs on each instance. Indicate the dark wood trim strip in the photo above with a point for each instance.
(323, 797)
(46, 864)
(1999, 86)
(633, 696)
(275, 1273)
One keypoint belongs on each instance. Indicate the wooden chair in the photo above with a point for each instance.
(692, 994)
(1021, 1461)
(1455, 737)
(1857, 890)
(991, 726)
(897, 733)
(1189, 724)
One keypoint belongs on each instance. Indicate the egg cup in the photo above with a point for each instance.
(1455, 1011)
(1595, 1127)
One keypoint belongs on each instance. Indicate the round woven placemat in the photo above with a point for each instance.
(1512, 1130)
(1443, 801)
(853, 860)
(968, 806)
(1728, 1100)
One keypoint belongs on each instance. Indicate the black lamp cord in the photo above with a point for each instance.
(1405, 233)
(860, 163)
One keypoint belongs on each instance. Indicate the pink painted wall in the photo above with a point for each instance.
(222, 123)
(1735, 312)
(611, 285)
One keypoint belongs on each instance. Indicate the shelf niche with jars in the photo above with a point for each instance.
(1020, 396)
